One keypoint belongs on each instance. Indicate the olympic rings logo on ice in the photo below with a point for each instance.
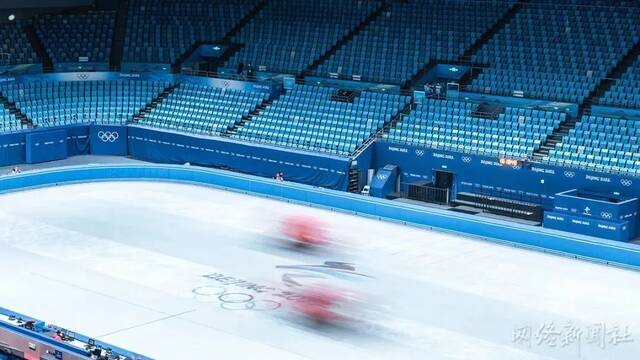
(108, 136)
(626, 182)
(83, 76)
(606, 215)
(235, 301)
(466, 159)
(569, 174)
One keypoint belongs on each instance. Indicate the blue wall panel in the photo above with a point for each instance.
(618, 231)
(45, 146)
(307, 168)
(12, 149)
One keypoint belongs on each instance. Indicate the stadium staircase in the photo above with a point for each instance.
(150, 106)
(406, 111)
(117, 46)
(499, 25)
(555, 138)
(347, 38)
(246, 119)
(354, 181)
(226, 40)
(610, 80)
(354, 174)
(467, 56)
(38, 47)
(585, 108)
(15, 111)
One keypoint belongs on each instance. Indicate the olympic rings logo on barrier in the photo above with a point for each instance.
(606, 215)
(466, 159)
(108, 136)
(569, 174)
(419, 152)
(626, 182)
(233, 300)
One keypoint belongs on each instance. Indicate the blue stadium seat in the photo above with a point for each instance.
(557, 50)
(14, 45)
(456, 126)
(411, 34)
(626, 91)
(306, 117)
(203, 109)
(289, 35)
(77, 38)
(601, 144)
(161, 31)
(55, 103)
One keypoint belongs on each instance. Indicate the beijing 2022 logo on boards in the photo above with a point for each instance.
(108, 136)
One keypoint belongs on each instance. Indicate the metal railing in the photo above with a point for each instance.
(429, 193)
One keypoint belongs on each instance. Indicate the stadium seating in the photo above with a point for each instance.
(288, 35)
(306, 117)
(161, 31)
(412, 33)
(553, 51)
(14, 46)
(626, 91)
(203, 109)
(456, 126)
(9, 122)
(77, 38)
(52, 103)
(602, 144)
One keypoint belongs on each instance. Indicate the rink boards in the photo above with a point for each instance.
(495, 230)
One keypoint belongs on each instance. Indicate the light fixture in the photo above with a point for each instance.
(12, 17)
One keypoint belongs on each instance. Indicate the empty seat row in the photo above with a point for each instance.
(602, 144)
(14, 45)
(565, 58)
(203, 109)
(409, 35)
(436, 123)
(161, 31)
(77, 38)
(55, 103)
(307, 117)
(289, 35)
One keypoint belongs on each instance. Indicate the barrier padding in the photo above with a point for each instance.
(573, 245)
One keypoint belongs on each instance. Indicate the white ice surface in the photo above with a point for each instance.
(119, 261)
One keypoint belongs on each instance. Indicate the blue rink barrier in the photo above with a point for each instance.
(44, 344)
(578, 246)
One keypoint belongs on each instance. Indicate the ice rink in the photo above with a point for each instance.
(186, 272)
